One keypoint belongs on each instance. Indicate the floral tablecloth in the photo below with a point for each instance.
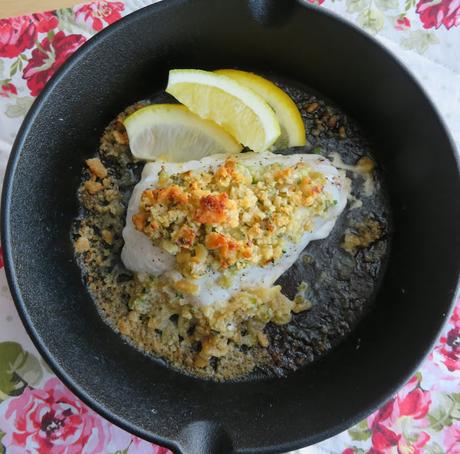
(39, 415)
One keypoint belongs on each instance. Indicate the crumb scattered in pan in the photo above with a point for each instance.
(363, 235)
(330, 284)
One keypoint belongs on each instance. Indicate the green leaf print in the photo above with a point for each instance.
(2, 66)
(28, 368)
(455, 412)
(433, 448)
(387, 4)
(2, 448)
(419, 40)
(18, 369)
(409, 4)
(14, 67)
(356, 6)
(440, 417)
(67, 22)
(445, 414)
(372, 19)
(360, 432)
(20, 107)
(124, 451)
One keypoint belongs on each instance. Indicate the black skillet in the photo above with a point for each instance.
(125, 63)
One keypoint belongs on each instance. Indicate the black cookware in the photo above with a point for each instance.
(127, 62)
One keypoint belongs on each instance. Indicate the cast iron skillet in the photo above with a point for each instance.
(125, 63)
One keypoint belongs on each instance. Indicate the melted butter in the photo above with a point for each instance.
(354, 202)
(364, 168)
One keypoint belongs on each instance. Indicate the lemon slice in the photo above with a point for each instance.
(292, 126)
(172, 133)
(239, 110)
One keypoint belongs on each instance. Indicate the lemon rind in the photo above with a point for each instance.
(158, 114)
(285, 108)
(247, 96)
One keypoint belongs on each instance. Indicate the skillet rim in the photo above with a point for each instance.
(7, 193)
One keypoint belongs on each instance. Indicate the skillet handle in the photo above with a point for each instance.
(204, 437)
(272, 12)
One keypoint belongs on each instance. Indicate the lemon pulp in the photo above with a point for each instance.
(291, 123)
(239, 110)
(172, 133)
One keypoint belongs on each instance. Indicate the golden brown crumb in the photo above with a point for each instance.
(82, 244)
(367, 233)
(332, 121)
(120, 137)
(139, 221)
(133, 317)
(366, 164)
(123, 326)
(212, 209)
(204, 209)
(185, 237)
(201, 361)
(187, 287)
(312, 107)
(96, 167)
(263, 339)
(191, 338)
(93, 186)
(301, 304)
(107, 236)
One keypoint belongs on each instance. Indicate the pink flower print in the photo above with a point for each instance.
(434, 13)
(51, 420)
(16, 35)
(402, 23)
(6, 90)
(99, 14)
(47, 58)
(451, 440)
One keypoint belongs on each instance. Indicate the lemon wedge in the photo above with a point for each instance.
(171, 132)
(292, 126)
(239, 110)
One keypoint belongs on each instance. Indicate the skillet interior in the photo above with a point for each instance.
(113, 71)
(341, 283)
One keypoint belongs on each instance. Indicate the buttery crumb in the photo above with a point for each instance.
(310, 108)
(366, 164)
(93, 186)
(119, 296)
(366, 234)
(120, 137)
(163, 331)
(263, 339)
(179, 215)
(96, 167)
(107, 236)
(82, 244)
